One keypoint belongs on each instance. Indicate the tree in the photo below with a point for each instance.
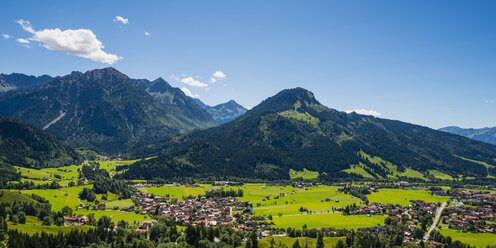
(14, 218)
(320, 241)
(59, 221)
(47, 221)
(66, 211)
(22, 217)
(254, 240)
(296, 244)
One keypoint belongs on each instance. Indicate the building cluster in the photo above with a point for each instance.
(475, 211)
(191, 210)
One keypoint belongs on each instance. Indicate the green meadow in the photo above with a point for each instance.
(10, 197)
(336, 220)
(33, 226)
(288, 242)
(305, 174)
(403, 196)
(474, 239)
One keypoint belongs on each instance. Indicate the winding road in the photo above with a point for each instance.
(436, 220)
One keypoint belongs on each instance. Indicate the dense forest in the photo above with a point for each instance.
(292, 130)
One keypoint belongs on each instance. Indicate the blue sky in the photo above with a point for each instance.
(426, 62)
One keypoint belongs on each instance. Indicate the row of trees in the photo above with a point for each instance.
(224, 193)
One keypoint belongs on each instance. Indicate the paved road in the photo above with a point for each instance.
(434, 224)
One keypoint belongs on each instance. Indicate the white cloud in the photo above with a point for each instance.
(364, 112)
(193, 82)
(219, 75)
(174, 77)
(121, 19)
(6, 36)
(147, 34)
(26, 25)
(188, 93)
(22, 41)
(79, 42)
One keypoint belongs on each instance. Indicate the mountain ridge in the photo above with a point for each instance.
(224, 112)
(100, 109)
(292, 130)
(487, 134)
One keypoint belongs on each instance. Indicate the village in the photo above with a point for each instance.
(469, 211)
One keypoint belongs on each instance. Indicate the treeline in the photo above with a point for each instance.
(224, 193)
(31, 185)
(102, 183)
(357, 191)
(17, 211)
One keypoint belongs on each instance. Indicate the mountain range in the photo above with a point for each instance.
(487, 134)
(106, 111)
(292, 130)
(18, 81)
(102, 109)
(224, 112)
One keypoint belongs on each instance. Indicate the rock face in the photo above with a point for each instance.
(292, 130)
(175, 101)
(101, 109)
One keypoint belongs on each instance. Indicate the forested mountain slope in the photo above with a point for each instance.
(292, 130)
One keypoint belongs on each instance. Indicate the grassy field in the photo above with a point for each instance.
(477, 239)
(313, 199)
(358, 169)
(336, 220)
(412, 173)
(310, 242)
(440, 175)
(115, 215)
(403, 196)
(58, 197)
(10, 196)
(33, 225)
(305, 174)
(176, 192)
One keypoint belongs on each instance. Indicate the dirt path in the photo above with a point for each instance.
(436, 220)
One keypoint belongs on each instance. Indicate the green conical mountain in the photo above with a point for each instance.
(292, 130)
(101, 109)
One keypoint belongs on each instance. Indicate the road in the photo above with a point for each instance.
(436, 220)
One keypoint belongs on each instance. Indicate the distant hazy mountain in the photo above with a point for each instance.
(487, 134)
(292, 130)
(175, 101)
(18, 81)
(100, 109)
(224, 112)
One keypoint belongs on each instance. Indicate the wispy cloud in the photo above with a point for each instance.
(218, 75)
(6, 36)
(193, 82)
(80, 42)
(147, 34)
(22, 41)
(364, 112)
(121, 19)
(188, 93)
